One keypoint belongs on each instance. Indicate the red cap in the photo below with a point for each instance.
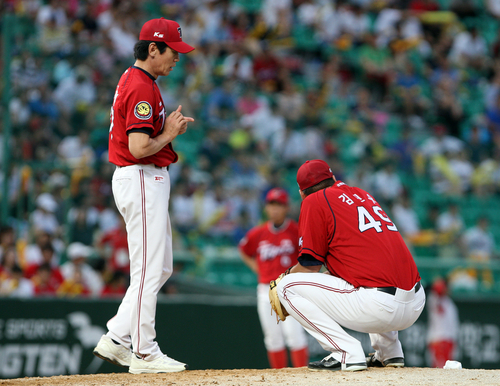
(277, 195)
(167, 31)
(312, 173)
(439, 287)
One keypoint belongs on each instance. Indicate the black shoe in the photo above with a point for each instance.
(330, 363)
(371, 361)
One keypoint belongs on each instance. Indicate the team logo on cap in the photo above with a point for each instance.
(158, 35)
(180, 32)
(143, 110)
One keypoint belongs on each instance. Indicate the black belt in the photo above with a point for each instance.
(392, 290)
(156, 167)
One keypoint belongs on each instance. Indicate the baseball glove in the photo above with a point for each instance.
(276, 305)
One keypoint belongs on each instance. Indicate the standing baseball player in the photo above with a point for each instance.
(371, 283)
(268, 250)
(140, 145)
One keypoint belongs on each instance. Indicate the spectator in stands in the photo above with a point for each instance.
(43, 218)
(78, 274)
(15, 285)
(449, 111)
(440, 142)
(451, 226)
(114, 247)
(116, 286)
(290, 101)
(238, 65)
(76, 91)
(469, 49)
(266, 68)
(478, 241)
(7, 239)
(406, 218)
(222, 105)
(35, 252)
(44, 281)
(9, 260)
(83, 220)
(355, 23)
(49, 259)
(387, 184)
(377, 64)
(74, 285)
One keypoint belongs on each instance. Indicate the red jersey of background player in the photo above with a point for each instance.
(275, 249)
(347, 230)
(137, 106)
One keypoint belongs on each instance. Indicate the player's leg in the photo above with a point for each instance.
(398, 312)
(154, 245)
(273, 337)
(296, 341)
(148, 242)
(317, 308)
(388, 350)
(167, 257)
(115, 345)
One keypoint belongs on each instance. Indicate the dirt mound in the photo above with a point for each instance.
(289, 376)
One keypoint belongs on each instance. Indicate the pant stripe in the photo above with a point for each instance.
(144, 254)
(313, 326)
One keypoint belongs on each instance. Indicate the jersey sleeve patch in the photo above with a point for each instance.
(143, 110)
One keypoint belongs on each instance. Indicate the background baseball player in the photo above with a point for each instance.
(140, 145)
(268, 250)
(372, 284)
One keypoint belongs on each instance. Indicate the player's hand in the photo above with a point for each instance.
(176, 123)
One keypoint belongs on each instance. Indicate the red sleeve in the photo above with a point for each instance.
(248, 244)
(313, 229)
(138, 108)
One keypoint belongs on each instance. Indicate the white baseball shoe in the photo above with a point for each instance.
(114, 353)
(163, 364)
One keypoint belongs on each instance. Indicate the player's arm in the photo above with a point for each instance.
(306, 264)
(142, 145)
(250, 262)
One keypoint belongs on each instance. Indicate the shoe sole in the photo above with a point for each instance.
(396, 365)
(350, 368)
(152, 371)
(114, 361)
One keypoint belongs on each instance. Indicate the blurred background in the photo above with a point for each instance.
(400, 97)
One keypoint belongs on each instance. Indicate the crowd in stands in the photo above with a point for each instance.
(400, 97)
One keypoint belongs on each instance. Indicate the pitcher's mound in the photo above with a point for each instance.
(409, 376)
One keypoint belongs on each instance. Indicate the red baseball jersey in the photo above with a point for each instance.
(137, 107)
(275, 250)
(346, 229)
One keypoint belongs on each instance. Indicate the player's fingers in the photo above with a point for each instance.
(179, 109)
(189, 119)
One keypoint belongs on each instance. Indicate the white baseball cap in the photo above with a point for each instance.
(77, 249)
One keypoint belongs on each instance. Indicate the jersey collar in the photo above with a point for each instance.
(147, 73)
(280, 229)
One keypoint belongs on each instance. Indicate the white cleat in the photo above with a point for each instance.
(114, 353)
(163, 364)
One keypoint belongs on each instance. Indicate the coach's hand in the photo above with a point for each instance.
(176, 124)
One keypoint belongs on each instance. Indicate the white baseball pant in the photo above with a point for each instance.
(141, 194)
(323, 304)
(277, 336)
